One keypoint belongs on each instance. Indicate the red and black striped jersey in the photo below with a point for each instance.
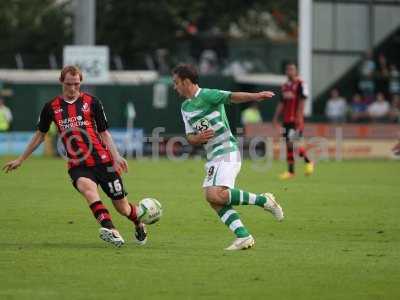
(292, 93)
(78, 124)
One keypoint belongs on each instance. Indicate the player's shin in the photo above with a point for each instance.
(303, 154)
(290, 156)
(133, 216)
(231, 218)
(140, 234)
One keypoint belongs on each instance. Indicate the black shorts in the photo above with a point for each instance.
(291, 132)
(103, 175)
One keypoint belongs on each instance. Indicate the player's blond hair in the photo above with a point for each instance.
(73, 70)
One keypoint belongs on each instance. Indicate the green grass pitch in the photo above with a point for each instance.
(340, 238)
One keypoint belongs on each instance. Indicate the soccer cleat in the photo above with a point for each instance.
(286, 175)
(141, 234)
(273, 206)
(242, 243)
(111, 236)
(309, 169)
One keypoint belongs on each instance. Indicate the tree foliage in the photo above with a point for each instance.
(130, 25)
(34, 26)
(40, 27)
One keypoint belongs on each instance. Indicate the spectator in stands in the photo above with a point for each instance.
(336, 107)
(208, 63)
(366, 85)
(368, 65)
(251, 115)
(5, 116)
(162, 60)
(394, 80)
(238, 67)
(394, 113)
(379, 109)
(383, 67)
(358, 109)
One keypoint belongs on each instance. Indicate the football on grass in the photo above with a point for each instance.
(150, 211)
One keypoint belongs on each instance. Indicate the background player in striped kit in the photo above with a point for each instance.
(291, 107)
(93, 158)
(206, 124)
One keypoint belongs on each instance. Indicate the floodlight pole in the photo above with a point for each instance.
(305, 48)
(85, 22)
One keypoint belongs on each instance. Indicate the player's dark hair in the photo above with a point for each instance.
(186, 71)
(73, 70)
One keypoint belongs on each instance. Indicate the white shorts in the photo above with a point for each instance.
(223, 170)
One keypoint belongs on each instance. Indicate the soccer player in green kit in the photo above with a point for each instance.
(206, 124)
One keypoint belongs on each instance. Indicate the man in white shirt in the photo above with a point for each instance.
(379, 109)
(336, 107)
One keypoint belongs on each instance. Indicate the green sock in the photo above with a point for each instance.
(239, 197)
(231, 219)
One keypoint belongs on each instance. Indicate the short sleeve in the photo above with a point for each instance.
(217, 97)
(99, 116)
(45, 119)
(303, 90)
(188, 128)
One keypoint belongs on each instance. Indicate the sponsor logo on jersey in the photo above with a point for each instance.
(202, 125)
(72, 122)
(85, 107)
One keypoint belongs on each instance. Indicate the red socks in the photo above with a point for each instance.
(133, 215)
(101, 214)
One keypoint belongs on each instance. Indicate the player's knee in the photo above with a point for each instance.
(218, 197)
(87, 192)
(224, 195)
(90, 195)
(211, 197)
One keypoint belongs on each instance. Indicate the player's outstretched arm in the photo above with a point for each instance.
(241, 97)
(36, 140)
(120, 163)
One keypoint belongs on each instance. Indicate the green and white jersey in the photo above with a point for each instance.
(206, 110)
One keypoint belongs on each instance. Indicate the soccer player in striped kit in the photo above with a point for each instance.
(93, 158)
(291, 106)
(206, 124)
